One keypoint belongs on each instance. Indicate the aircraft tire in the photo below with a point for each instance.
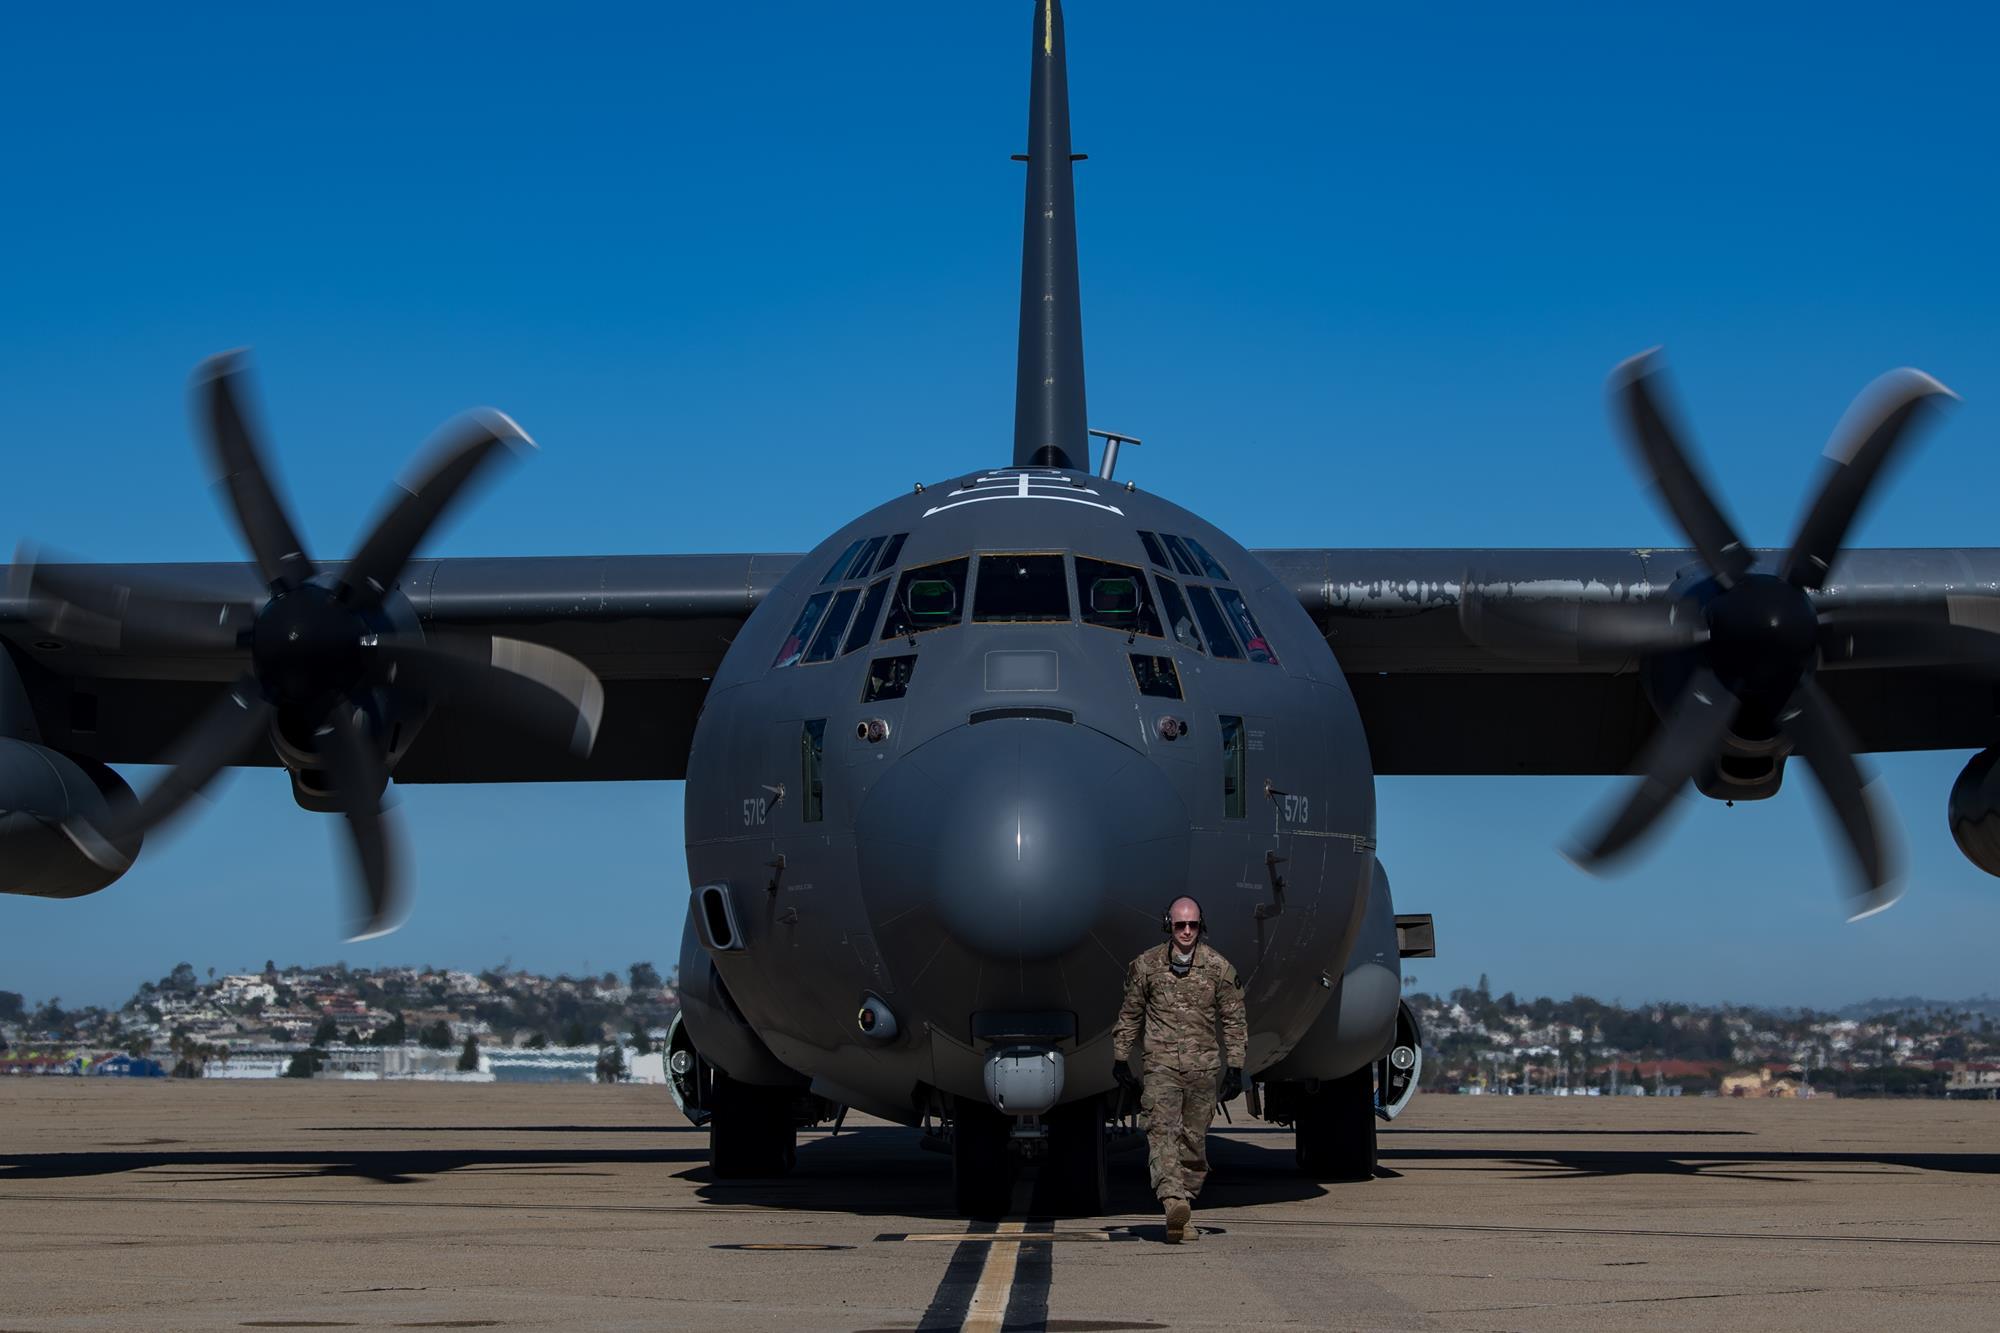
(1073, 1178)
(982, 1182)
(1334, 1136)
(751, 1135)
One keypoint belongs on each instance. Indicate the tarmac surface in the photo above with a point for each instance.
(227, 1205)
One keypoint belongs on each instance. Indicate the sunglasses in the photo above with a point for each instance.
(1187, 925)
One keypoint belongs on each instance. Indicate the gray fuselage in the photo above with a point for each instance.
(982, 836)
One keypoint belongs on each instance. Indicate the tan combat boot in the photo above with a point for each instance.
(1178, 1213)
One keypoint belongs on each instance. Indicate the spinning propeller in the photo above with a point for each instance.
(325, 649)
(1746, 642)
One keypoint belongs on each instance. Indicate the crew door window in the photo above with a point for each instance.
(812, 754)
(1234, 765)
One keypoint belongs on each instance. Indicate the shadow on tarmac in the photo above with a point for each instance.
(385, 1167)
(871, 1170)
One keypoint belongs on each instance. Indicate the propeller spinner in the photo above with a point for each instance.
(1748, 641)
(321, 649)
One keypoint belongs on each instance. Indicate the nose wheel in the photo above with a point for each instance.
(982, 1175)
(1073, 1177)
(753, 1132)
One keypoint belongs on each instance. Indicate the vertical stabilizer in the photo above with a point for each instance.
(1050, 423)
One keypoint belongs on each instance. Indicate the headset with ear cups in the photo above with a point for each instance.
(1167, 917)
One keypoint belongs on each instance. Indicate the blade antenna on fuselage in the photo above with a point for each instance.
(1050, 423)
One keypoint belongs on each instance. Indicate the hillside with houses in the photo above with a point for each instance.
(426, 1021)
(305, 1017)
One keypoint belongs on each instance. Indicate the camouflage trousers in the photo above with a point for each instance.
(1177, 1105)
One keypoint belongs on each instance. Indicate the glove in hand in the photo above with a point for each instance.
(1232, 1084)
(1122, 1071)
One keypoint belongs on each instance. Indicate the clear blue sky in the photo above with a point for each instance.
(1355, 275)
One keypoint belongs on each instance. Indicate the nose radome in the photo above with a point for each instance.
(1019, 834)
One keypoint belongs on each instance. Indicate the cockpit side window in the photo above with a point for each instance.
(864, 559)
(839, 566)
(1021, 588)
(795, 643)
(1209, 565)
(927, 597)
(1180, 621)
(1156, 676)
(1115, 597)
(864, 623)
(1254, 642)
(889, 553)
(1212, 624)
(827, 642)
(888, 678)
(1183, 561)
(1154, 551)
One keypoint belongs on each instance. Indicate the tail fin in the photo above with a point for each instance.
(1050, 424)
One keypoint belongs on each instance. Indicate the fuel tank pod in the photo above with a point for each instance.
(42, 791)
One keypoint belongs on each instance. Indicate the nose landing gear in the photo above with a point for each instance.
(1063, 1154)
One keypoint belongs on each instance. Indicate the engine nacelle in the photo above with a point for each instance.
(1975, 811)
(41, 789)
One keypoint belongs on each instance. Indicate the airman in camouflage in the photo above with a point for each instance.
(1181, 992)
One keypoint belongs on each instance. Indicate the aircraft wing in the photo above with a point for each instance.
(653, 629)
(1434, 700)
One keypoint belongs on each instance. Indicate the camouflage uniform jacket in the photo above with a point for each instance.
(1180, 1013)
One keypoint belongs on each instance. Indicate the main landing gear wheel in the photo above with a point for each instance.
(982, 1183)
(751, 1134)
(1073, 1179)
(1335, 1130)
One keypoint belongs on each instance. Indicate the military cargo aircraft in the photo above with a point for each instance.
(944, 771)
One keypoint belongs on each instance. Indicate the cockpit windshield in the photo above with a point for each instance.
(928, 597)
(1021, 588)
(1115, 597)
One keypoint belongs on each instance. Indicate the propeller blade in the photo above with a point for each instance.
(260, 515)
(540, 690)
(1821, 738)
(1572, 632)
(83, 604)
(222, 737)
(1689, 737)
(359, 781)
(1656, 444)
(1862, 446)
(471, 443)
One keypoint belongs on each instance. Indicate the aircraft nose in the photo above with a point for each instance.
(1019, 835)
